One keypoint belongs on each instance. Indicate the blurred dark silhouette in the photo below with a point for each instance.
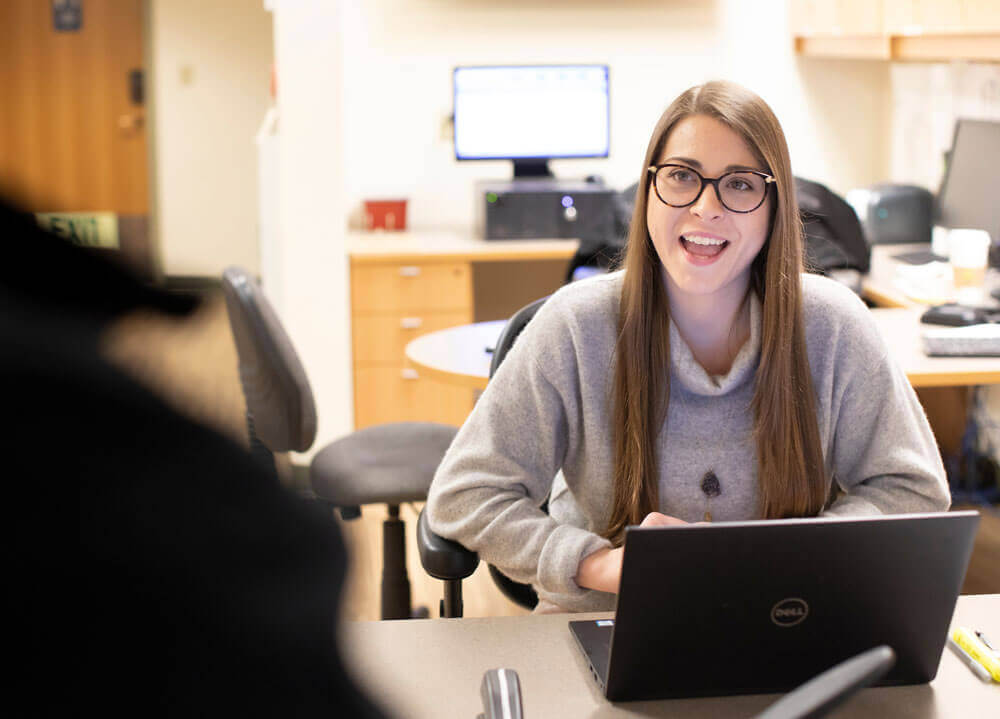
(157, 569)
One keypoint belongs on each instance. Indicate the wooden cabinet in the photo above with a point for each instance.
(392, 302)
(406, 284)
(897, 29)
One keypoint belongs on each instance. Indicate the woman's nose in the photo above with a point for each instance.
(707, 206)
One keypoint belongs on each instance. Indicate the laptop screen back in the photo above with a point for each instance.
(748, 607)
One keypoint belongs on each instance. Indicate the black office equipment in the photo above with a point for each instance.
(896, 214)
(959, 315)
(543, 208)
(531, 114)
(919, 257)
(751, 607)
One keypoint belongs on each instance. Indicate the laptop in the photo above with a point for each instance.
(761, 607)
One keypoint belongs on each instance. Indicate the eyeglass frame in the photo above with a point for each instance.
(714, 182)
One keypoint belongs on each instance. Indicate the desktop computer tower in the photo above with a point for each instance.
(542, 208)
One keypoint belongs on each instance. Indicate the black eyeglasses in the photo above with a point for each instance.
(741, 191)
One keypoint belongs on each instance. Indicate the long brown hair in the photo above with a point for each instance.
(791, 476)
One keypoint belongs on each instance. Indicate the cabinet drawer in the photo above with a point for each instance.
(400, 394)
(382, 339)
(411, 287)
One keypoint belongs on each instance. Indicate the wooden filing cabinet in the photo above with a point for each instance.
(392, 302)
(408, 283)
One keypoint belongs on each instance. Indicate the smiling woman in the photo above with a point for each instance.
(707, 380)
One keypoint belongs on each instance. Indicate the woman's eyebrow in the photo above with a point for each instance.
(698, 166)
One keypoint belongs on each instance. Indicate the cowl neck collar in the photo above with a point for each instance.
(693, 376)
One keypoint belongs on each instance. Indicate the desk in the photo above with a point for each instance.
(458, 354)
(946, 401)
(406, 284)
(433, 668)
(880, 287)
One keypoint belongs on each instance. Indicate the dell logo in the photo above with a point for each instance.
(789, 612)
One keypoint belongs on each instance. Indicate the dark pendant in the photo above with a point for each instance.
(710, 485)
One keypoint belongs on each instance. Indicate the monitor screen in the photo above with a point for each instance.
(968, 196)
(546, 111)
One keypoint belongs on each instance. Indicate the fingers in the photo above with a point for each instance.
(656, 519)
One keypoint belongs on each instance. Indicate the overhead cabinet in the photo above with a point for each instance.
(901, 30)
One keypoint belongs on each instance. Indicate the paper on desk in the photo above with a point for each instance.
(930, 283)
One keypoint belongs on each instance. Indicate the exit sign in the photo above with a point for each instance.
(88, 229)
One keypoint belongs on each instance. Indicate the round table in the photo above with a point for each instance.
(457, 355)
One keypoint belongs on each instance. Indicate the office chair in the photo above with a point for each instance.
(501, 689)
(451, 562)
(387, 464)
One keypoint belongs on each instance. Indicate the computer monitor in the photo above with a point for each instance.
(531, 114)
(968, 196)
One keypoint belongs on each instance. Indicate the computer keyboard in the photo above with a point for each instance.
(972, 341)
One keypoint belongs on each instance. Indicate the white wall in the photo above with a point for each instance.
(927, 99)
(311, 258)
(397, 87)
(365, 92)
(211, 63)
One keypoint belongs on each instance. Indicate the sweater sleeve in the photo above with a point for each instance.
(884, 455)
(499, 470)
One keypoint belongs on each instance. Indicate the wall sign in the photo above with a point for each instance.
(88, 229)
(67, 15)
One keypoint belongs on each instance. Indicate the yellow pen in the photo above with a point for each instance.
(972, 644)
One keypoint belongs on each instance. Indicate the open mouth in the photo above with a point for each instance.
(703, 247)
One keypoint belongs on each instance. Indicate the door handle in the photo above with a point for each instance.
(131, 122)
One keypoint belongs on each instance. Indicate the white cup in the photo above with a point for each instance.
(968, 253)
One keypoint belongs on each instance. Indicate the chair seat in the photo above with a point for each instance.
(384, 464)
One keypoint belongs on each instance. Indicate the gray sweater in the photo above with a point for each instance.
(543, 427)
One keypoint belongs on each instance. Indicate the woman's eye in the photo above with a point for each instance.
(681, 175)
(739, 184)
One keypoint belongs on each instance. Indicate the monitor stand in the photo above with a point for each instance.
(537, 167)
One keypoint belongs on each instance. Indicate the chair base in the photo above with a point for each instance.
(395, 580)
(452, 605)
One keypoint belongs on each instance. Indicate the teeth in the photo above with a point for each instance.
(701, 240)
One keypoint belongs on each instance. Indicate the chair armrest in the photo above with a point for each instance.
(443, 558)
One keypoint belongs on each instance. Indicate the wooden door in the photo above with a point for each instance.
(72, 121)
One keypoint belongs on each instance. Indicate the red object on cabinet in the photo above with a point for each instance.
(385, 214)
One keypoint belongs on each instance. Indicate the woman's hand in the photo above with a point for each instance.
(602, 570)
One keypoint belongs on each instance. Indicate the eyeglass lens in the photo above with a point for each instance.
(738, 191)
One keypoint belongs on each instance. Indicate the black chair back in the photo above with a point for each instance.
(281, 412)
(522, 594)
(515, 325)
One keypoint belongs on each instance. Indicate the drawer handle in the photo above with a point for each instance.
(409, 373)
(409, 271)
(411, 323)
